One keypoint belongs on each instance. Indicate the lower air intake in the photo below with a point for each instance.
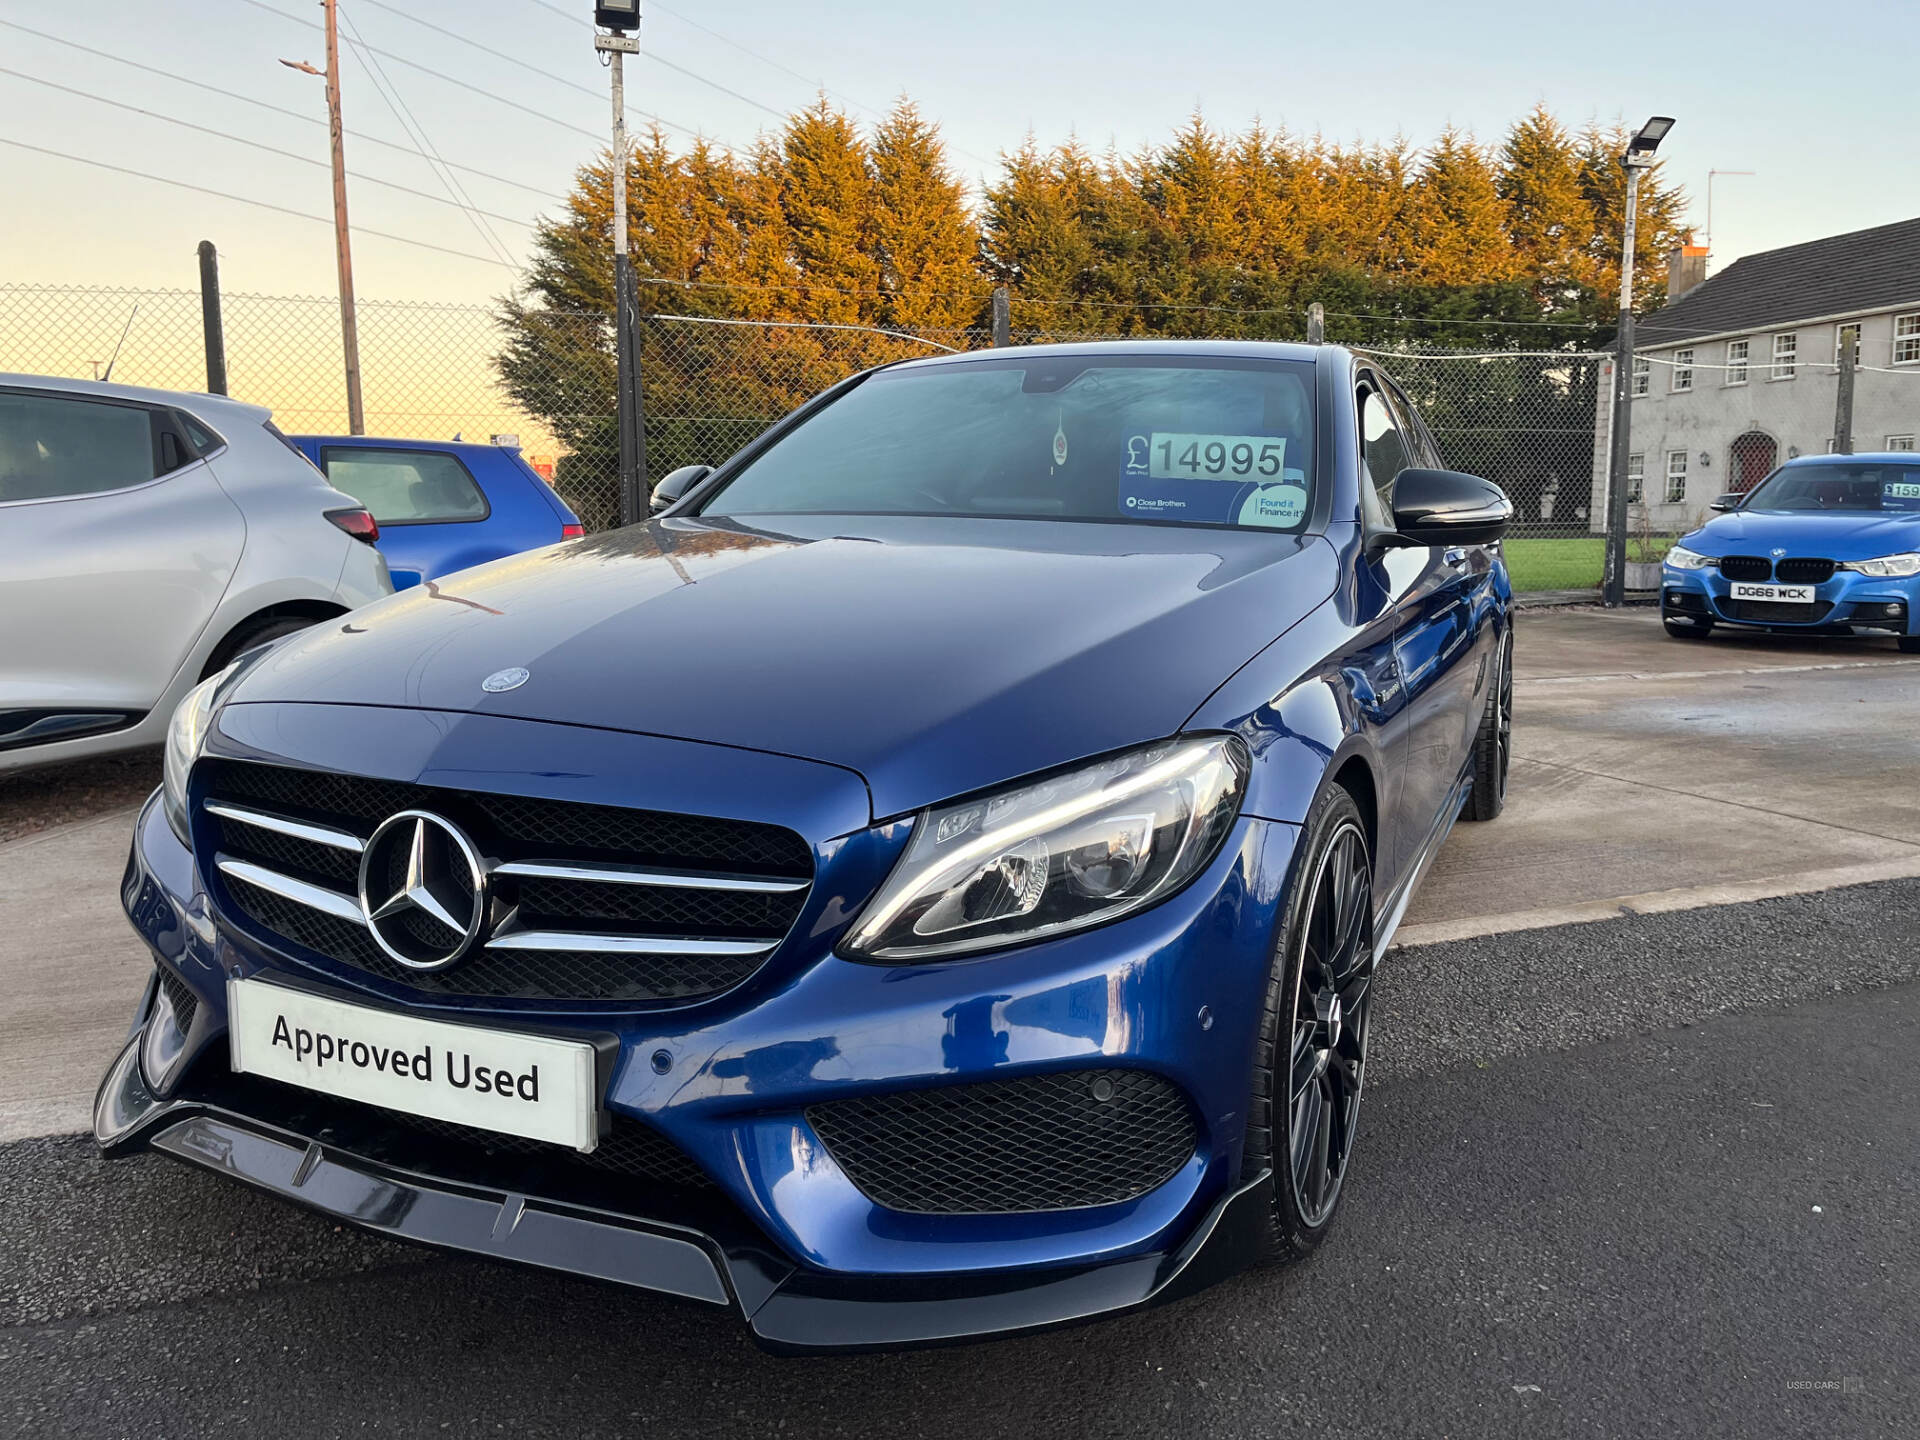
(1042, 1142)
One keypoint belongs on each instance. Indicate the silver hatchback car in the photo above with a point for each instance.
(147, 538)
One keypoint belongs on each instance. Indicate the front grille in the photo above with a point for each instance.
(180, 997)
(1746, 567)
(630, 1147)
(1801, 570)
(1062, 1141)
(1776, 612)
(713, 898)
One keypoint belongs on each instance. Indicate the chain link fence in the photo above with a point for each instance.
(1535, 422)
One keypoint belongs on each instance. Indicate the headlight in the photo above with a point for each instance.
(1887, 567)
(185, 735)
(1079, 849)
(1681, 558)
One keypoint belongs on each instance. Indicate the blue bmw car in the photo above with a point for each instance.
(1827, 544)
(443, 505)
(927, 883)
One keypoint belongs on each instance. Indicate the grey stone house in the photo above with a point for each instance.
(1738, 373)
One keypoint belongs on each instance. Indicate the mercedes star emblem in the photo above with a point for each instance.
(501, 680)
(423, 890)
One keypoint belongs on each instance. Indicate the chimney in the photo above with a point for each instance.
(1686, 267)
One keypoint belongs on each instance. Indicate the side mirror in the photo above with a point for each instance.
(674, 484)
(1447, 507)
(1729, 501)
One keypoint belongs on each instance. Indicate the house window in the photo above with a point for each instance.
(1676, 476)
(1786, 356)
(1636, 478)
(1842, 335)
(1906, 339)
(1902, 443)
(1642, 374)
(1682, 371)
(1737, 362)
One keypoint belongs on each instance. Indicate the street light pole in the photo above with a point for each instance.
(619, 17)
(1639, 156)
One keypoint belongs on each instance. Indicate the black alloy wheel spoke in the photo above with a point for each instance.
(1327, 1057)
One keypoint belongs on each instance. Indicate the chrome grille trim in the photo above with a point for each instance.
(314, 897)
(284, 825)
(597, 944)
(610, 874)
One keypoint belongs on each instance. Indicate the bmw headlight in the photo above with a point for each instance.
(1077, 849)
(1886, 567)
(185, 735)
(1681, 558)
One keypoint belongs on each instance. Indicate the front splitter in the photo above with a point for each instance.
(786, 1308)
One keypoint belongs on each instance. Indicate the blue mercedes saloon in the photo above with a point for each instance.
(925, 883)
(1827, 544)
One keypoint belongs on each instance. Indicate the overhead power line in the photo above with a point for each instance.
(301, 116)
(521, 64)
(467, 85)
(248, 200)
(390, 94)
(242, 140)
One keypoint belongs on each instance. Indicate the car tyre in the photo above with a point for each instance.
(1493, 745)
(1310, 1060)
(251, 636)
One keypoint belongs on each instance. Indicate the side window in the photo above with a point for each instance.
(1383, 454)
(405, 487)
(205, 442)
(1421, 448)
(59, 445)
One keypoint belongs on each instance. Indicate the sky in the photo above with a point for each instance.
(1815, 100)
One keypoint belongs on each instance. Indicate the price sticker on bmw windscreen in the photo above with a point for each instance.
(1211, 479)
(1901, 494)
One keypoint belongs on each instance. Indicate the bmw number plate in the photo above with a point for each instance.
(1790, 594)
(527, 1085)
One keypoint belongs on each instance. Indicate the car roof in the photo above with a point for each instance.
(193, 401)
(1101, 349)
(1898, 457)
(457, 447)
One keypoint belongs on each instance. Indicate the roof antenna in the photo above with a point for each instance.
(123, 340)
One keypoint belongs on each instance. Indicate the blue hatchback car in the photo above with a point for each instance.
(443, 505)
(1827, 544)
(925, 884)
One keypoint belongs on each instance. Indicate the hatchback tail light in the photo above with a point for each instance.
(360, 524)
(572, 532)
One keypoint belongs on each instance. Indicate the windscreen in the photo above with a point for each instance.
(1150, 440)
(1840, 485)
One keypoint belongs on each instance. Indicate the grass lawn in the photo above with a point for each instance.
(1556, 564)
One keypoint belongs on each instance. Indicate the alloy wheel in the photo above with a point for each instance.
(1332, 1004)
(1503, 716)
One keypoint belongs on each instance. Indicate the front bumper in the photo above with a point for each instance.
(1168, 991)
(1847, 604)
(718, 1260)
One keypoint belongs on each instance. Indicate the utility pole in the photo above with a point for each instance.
(1639, 156)
(1002, 317)
(620, 16)
(343, 247)
(1849, 338)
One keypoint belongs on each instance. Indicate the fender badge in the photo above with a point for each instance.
(502, 680)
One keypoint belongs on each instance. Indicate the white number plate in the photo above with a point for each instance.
(1216, 457)
(1791, 594)
(527, 1085)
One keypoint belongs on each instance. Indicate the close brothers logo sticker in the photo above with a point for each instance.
(1211, 479)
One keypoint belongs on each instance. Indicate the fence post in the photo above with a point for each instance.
(1316, 324)
(1843, 401)
(1002, 317)
(215, 333)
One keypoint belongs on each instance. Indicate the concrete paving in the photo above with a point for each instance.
(1650, 774)
(72, 971)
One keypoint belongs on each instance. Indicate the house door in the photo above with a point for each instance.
(1751, 460)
